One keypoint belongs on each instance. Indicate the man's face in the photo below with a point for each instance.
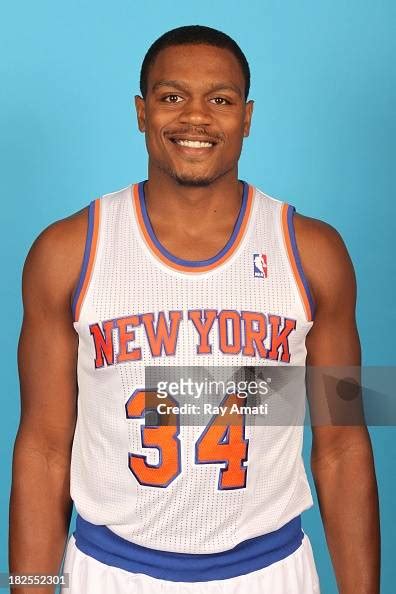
(194, 115)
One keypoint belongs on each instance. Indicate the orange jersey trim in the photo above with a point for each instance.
(91, 245)
(294, 259)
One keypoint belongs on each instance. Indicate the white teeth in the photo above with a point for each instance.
(194, 143)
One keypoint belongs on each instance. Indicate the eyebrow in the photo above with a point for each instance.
(226, 86)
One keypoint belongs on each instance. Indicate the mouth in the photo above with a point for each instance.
(193, 144)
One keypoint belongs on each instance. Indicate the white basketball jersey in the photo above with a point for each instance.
(136, 305)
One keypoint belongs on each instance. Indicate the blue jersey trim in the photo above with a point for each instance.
(103, 545)
(193, 263)
(87, 250)
(290, 214)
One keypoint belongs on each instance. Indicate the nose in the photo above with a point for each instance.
(196, 111)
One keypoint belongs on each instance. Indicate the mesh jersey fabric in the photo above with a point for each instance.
(125, 279)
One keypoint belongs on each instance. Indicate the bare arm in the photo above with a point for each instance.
(40, 504)
(341, 461)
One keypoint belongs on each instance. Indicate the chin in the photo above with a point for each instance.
(185, 180)
(192, 180)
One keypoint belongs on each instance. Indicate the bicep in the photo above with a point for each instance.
(47, 348)
(333, 345)
(333, 339)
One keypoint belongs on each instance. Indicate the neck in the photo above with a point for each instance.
(194, 207)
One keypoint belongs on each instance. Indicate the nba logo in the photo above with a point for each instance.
(260, 265)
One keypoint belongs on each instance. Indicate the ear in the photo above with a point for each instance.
(248, 117)
(140, 106)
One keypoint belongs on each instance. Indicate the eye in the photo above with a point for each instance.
(220, 101)
(172, 98)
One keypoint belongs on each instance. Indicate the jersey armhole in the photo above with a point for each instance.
(289, 236)
(91, 244)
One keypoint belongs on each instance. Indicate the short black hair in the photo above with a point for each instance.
(194, 35)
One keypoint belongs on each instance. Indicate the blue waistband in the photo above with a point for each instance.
(102, 544)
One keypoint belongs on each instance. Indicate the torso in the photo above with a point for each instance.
(136, 288)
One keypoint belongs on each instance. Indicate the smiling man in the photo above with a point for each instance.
(191, 267)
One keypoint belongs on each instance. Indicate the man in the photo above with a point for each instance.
(192, 267)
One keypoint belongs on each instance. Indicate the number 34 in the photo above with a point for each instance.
(222, 442)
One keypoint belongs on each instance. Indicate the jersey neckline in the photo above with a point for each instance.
(180, 264)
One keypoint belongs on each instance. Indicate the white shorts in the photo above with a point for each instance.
(295, 574)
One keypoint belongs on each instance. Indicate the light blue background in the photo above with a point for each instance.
(323, 139)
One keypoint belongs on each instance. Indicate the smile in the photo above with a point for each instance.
(194, 143)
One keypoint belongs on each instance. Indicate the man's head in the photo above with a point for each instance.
(194, 111)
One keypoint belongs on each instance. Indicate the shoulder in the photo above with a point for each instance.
(63, 230)
(325, 260)
(54, 260)
(314, 233)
